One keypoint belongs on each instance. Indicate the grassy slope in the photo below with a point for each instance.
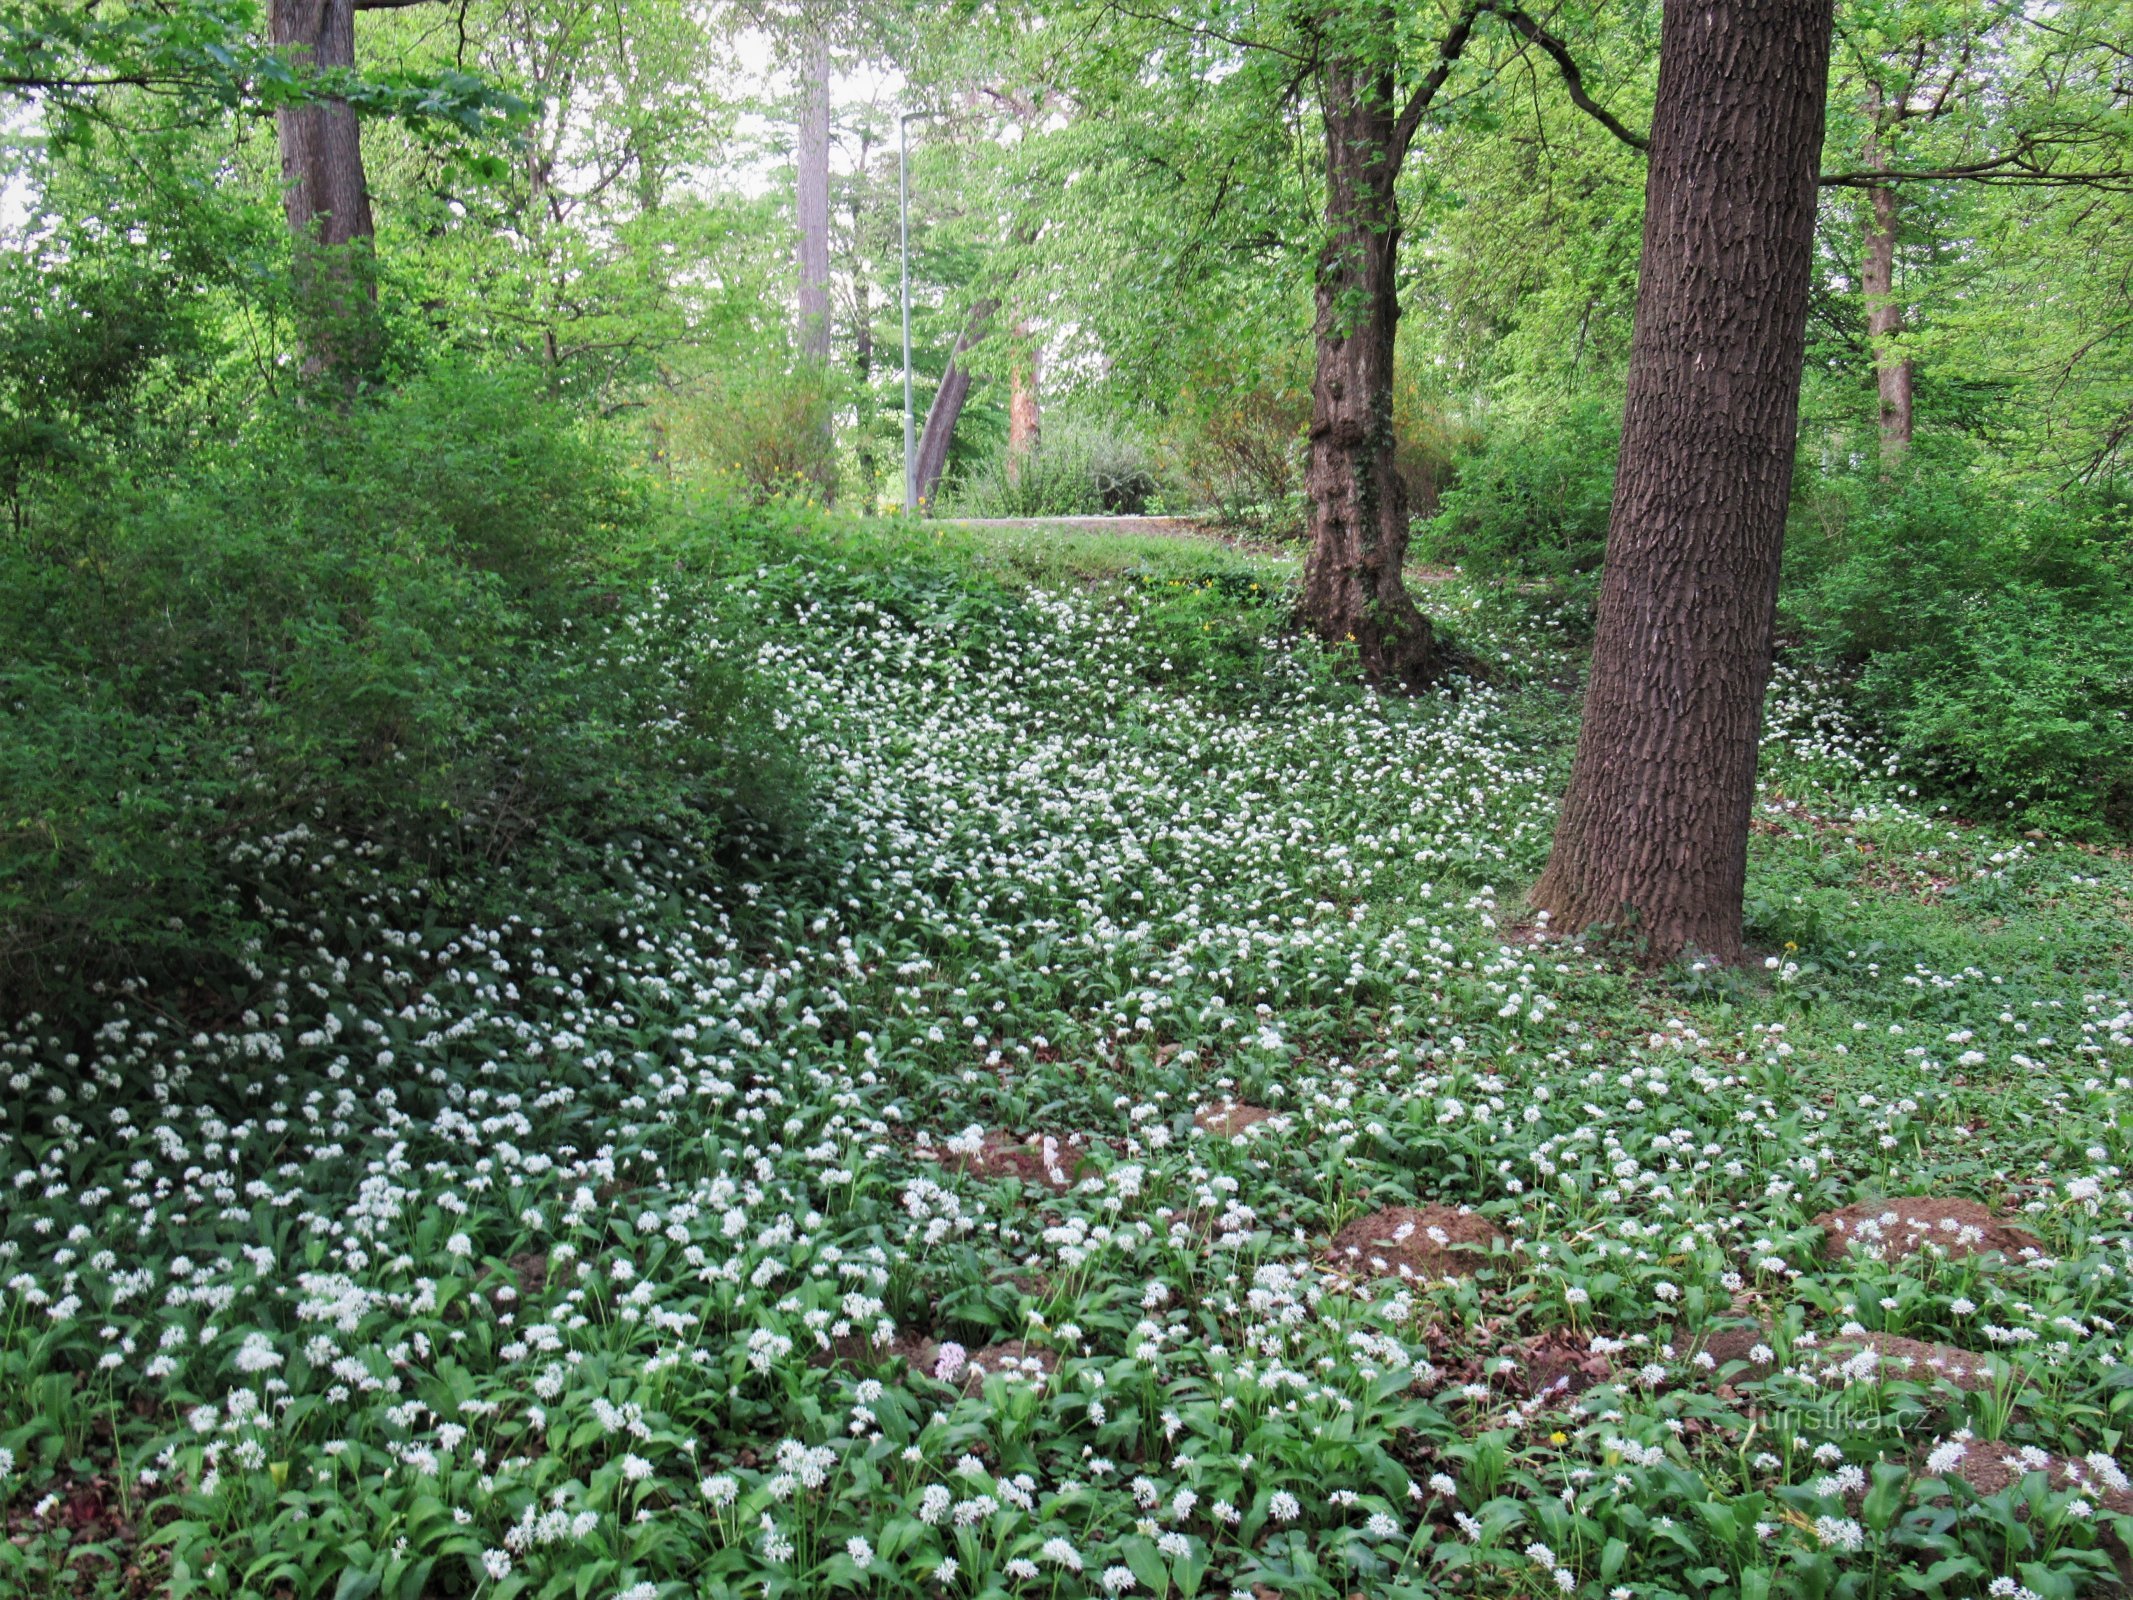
(472, 1252)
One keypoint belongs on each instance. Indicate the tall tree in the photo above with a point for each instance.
(1024, 420)
(326, 193)
(811, 168)
(1912, 63)
(1352, 586)
(1654, 829)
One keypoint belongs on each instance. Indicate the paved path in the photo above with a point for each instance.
(1172, 528)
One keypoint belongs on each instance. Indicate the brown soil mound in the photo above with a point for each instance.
(1229, 1119)
(1989, 1468)
(1407, 1242)
(1041, 1160)
(1892, 1229)
(1913, 1360)
(1015, 1359)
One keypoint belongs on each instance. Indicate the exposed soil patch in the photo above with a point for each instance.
(1989, 1468)
(1040, 1160)
(91, 1510)
(1893, 1229)
(530, 1267)
(1016, 1359)
(860, 1350)
(1558, 1364)
(1412, 1242)
(1914, 1360)
(1230, 1119)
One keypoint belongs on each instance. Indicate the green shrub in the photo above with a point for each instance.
(1530, 502)
(387, 647)
(1079, 468)
(1992, 638)
(1238, 447)
(759, 431)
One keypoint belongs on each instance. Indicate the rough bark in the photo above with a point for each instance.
(325, 195)
(812, 196)
(1884, 314)
(1352, 589)
(1023, 423)
(947, 407)
(1654, 828)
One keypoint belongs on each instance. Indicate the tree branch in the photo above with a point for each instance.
(1573, 79)
(1449, 51)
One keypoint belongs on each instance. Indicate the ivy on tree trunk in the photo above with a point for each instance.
(1352, 586)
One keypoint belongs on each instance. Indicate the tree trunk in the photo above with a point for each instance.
(1352, 589)
(1884, 322)
(326, 197)
(863, 337)
(812, 171)
(1022, 417)
(863, 371)
(947, 407)
(1654, 829)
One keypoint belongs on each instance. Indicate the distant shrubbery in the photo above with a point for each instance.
(1237, 445)
(379, 647)
(1529, 501)
(758, 430)
(1986, 624)
(1081, 467)
(1992, 636)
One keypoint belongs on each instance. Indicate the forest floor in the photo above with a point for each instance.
(1135, 1143)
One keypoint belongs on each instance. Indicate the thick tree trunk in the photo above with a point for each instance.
(947, 407)
(1023, 424)
(1352, 589)
(1884, 325)
(326, 197)
(812, 172)
(1654, 829)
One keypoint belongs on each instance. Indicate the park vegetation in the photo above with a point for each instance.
(1519, 988)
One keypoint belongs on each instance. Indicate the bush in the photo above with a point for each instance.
(1079, 468)
(1239, 450)
(758, 431)
(1993, 639)
(1530, 502)
(345, 653)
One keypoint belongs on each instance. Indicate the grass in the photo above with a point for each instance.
(661, 1257)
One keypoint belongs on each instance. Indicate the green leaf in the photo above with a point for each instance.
(1146, 1564)
(1885, 1499)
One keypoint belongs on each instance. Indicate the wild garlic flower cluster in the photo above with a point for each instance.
(881, 1219)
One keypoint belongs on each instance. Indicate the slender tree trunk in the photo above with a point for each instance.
(1352, 588)
(812, 205)
(1654, 829)
(1884, 318)
(326, 196)
(1023, 424)
(863, 335)
(812, 170)
(947, 407)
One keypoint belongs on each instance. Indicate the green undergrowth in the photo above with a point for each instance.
(699, 1245)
